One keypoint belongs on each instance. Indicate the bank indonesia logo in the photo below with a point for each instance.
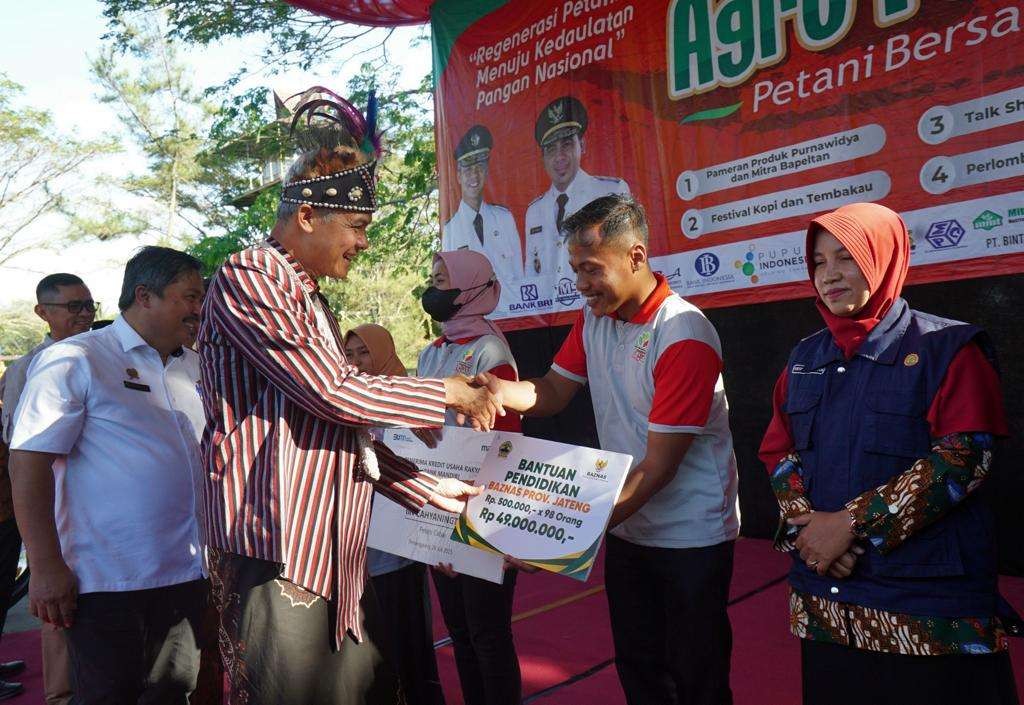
(945, 234)
(567, 294)
(706, 264)
(528, 292)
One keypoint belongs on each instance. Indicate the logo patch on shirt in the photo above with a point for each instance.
(642, 343)
(132, 373)
(911, 360)
(798, 369)
(465, 365)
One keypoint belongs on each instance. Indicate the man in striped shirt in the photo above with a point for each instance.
(289, 465)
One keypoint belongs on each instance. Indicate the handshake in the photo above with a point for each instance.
(476, 399)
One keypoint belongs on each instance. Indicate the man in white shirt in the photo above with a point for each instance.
(477, 225)
(109, 426)
(559, 131)
(65, 303)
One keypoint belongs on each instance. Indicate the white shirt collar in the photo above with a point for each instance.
(574, 186)
(128, 336)
(466, 210)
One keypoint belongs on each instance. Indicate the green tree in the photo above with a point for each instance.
(147, 83)
(20, 329)
(388, 298)
(37, 169)
(245, 135)
(293, 37)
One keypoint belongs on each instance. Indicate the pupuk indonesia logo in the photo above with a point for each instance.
(747, 266)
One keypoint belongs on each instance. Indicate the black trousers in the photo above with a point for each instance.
(670, 627)
(135, 647)
(275, 639)
(405, 612)
(10, 551)
(834, 674)
(478, 614)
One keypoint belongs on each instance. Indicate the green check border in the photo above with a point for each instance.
(574, 565)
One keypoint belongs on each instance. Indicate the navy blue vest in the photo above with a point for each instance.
(856, 424)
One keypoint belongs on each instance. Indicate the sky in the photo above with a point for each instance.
(45, 47)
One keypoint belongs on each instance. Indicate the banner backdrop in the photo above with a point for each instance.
(733, 122)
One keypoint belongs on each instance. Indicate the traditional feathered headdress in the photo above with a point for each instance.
(324, 120)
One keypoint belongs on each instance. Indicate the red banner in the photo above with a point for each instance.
(733, 123)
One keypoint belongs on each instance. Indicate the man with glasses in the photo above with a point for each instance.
(64, 302)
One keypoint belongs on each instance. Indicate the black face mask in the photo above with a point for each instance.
(440, 303)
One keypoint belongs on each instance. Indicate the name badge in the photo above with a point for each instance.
(536, 229)
(136, 386)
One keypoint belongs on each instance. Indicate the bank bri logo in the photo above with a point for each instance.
(945, 234)
(706, 264)
(528, 292)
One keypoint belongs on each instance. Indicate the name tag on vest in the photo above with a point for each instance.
(799, 370)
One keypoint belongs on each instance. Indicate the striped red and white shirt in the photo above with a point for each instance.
(280, 449)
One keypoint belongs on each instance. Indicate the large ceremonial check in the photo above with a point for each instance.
(426, 536)
(545, 503)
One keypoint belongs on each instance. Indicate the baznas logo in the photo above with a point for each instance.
(987, 220)
(945, 234)
(706, 264)
(601, 464)
(504, 449)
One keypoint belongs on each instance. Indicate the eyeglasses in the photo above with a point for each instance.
(76, 306)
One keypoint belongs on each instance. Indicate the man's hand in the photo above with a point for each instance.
(447, 570)
(843, 566)
(824, 538)
(53, 593)
(429, 436)
(511, 562)
(451, 494)
(474, 402)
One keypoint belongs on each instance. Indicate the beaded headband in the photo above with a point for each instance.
(353, 189)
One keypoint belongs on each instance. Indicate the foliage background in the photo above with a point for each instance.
(206, 145)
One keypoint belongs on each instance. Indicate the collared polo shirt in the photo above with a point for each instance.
(127, 428)
(662, 371)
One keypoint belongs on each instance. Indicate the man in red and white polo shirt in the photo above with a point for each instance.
(654, 364)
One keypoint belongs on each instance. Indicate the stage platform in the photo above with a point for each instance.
(565, 647)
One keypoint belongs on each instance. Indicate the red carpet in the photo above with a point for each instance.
(565, 647)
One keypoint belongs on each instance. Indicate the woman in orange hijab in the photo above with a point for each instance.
(882, 432)
(400, 584)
